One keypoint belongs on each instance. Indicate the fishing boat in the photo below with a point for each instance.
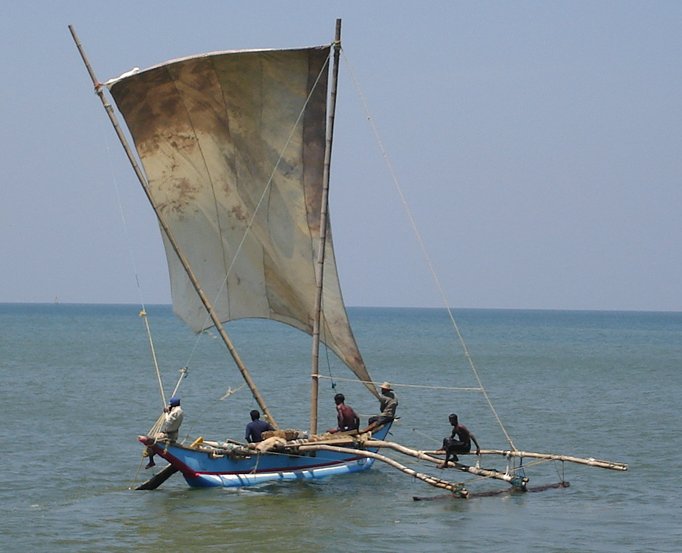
(233, 151)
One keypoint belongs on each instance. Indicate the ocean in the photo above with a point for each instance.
(78, 385)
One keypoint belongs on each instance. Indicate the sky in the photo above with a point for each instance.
(538, 146)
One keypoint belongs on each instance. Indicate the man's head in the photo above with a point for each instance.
(254, 415)
(174, 401)
(339, 399)
(453, 419)
(386, 387)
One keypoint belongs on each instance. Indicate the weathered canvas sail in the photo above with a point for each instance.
(233, 148)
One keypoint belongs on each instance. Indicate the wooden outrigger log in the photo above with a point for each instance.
(491, 493)
(457, 488)
(518, 481)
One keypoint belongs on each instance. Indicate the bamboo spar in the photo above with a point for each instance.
(185, 264)
(319, 267)
(516, 481)
(589, 461)
(455, 487)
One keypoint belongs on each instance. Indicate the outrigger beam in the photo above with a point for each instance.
(513, 479)
(516, 481)
(599, 463)
(456, 488)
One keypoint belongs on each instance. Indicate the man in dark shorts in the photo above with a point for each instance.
(459, 442)
(346, 418)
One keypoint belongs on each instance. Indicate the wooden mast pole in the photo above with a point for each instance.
(99, 89)
(319, 267)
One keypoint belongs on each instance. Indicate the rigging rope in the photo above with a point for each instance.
(424, 386)
(424, 251)
(143, 311)
(329, 368)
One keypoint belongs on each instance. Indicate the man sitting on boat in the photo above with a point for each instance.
(255, 429)
(460, 444)
(347, 419)
(170, 426)
(388, 403)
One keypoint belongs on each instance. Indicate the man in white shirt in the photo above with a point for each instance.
(172, 419)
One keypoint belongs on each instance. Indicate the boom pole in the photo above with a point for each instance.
(99, 89)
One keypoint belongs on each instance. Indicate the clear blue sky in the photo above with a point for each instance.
(539, 145)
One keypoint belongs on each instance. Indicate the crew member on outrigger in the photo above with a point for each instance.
(388, 403)
(461, 444)
(172, 419)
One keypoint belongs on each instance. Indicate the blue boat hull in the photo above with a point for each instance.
(203, 469)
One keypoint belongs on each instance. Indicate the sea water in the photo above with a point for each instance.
(78, 384)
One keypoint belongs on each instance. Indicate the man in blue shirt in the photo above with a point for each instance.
(255, 428)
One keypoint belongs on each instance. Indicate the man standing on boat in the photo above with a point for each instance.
(460, 444)
(255, 429)
(347, 419)
(388, 403)
(170, 426)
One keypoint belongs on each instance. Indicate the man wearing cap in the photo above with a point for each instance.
(388, 403)
(172, 419)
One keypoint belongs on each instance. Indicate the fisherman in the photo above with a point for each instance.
(172, 419)
(460, 444)
(255, 428)
(388, 403)
(346, 418)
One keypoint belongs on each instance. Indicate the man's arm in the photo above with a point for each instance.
(473, 439)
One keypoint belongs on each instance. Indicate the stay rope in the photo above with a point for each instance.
(131, 255)
(424, 251)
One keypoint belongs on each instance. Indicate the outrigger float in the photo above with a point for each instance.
(233, 151)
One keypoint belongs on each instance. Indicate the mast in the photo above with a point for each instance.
(319, 267)
(183, 260)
